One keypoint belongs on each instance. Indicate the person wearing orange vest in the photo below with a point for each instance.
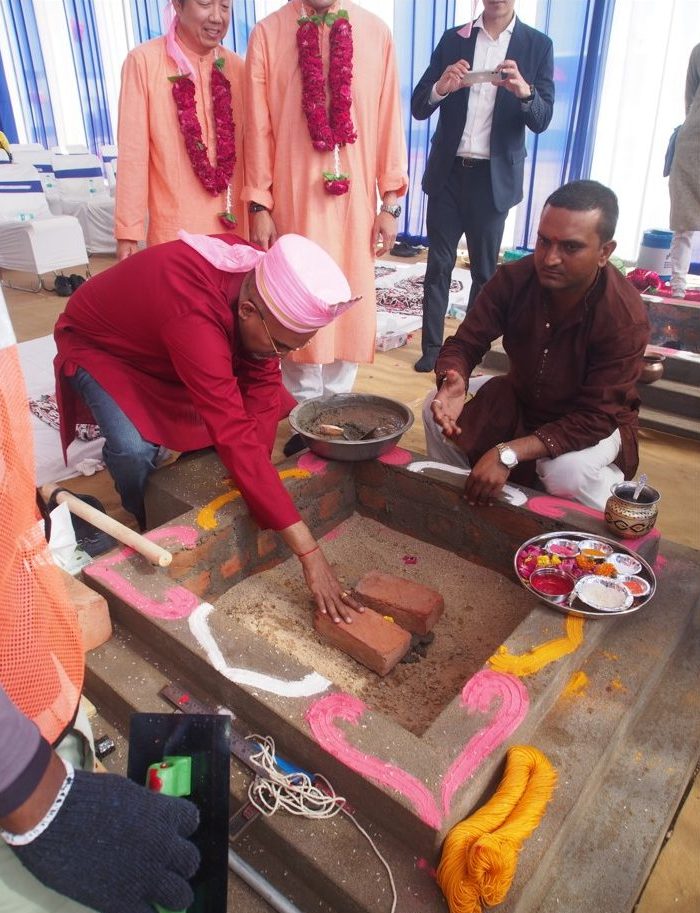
(71, 840)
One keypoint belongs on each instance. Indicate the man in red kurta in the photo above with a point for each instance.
(566, 414)
(179, 347)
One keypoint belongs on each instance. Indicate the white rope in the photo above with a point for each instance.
(298, 794)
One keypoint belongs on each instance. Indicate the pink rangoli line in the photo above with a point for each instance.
(478, 696)
(322, 716)
(177, 601)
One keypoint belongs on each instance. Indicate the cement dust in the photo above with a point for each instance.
(481, 610)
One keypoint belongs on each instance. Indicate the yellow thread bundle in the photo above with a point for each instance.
(480, 854)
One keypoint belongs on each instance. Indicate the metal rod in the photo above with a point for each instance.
(260, 885)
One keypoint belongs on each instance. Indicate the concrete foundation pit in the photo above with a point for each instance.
(612, 703)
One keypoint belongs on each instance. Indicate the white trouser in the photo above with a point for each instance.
(307, 381)
(581, 475)
(681, 247)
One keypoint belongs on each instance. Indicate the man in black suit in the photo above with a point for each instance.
(475, 167)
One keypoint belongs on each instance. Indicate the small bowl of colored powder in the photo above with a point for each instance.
(562, 548)
(637, 586)
(552, 583)
(603, 594)
(625, 564)
(595, 550)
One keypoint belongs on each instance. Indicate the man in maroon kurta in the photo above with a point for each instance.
(575, 332)
(167, 350)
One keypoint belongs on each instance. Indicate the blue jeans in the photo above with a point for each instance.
(129, 458)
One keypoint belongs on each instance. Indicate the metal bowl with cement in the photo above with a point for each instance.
(369, 425)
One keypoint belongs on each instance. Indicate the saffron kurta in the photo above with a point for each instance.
(284, 172)
(158, 332)
(157, 190)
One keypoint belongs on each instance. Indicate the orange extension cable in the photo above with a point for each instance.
(480, 854)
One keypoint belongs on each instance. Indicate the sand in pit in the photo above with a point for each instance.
(481, 610)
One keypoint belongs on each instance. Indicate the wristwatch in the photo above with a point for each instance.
(257, 207)
(530, 97)
(507, 456)
(392, 208)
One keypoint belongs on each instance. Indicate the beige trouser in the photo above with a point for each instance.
(20, 892)
(582, 475)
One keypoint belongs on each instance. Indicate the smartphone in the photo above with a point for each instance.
(475, 76)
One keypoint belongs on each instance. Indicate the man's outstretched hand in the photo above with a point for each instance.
(448, 404)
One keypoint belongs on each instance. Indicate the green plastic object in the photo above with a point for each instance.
(509, 256)
(173, 777)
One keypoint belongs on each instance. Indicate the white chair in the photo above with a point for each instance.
(36, 155)
(84, 194)
(32, 240)
(108, 154)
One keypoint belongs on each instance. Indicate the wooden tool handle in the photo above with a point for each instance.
(154, 553)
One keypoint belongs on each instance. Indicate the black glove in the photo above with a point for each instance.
(116, 847)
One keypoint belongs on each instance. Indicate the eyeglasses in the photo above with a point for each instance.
(279, 348)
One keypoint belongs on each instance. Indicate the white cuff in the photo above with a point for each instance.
(435, 97)
(38, 829)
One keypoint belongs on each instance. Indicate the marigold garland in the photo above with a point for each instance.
(332, 129)
(214, 178)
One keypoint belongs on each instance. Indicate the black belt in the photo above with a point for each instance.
(470, 163)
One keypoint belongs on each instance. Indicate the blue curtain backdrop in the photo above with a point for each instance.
(580, 31)
(30, 71)
(418, 26)
(149, 22)
(242, 22)
(147, 19)
(87, 60)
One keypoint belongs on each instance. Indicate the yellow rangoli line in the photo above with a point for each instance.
(576, 684)
(206, 518)
(541, 656)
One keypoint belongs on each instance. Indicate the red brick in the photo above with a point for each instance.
(370, 639)
(329, 504)
(234, 564)
(267, 542)
(415, 607)
(200, 584)
(92, 610)
(372, 499)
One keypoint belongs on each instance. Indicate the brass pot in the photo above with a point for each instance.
(628, 518)
(653, 369)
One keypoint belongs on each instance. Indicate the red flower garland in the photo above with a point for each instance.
(327, 132)
(214, 178)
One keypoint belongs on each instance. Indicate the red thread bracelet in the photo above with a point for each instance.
(310, 552)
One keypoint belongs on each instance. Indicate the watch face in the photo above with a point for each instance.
(393, 210)
(508, 457)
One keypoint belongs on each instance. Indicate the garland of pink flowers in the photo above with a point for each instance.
(214, 178)
(328, 132)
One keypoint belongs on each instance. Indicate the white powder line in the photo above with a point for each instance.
(310, 684)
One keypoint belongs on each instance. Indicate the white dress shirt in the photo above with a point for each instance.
(488, 53)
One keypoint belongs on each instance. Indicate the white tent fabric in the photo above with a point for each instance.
(108, 154)
(35, 154)
(31, 239)
(84, 194)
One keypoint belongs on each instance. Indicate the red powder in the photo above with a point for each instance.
(551, 585)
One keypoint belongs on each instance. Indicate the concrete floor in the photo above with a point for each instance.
(671, 463)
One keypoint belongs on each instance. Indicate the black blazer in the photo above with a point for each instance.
(534, 55)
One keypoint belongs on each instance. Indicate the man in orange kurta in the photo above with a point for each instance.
(283, 174)
(157, 189)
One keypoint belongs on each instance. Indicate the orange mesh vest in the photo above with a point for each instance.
(41, 656)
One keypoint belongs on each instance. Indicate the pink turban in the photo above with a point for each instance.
(302, 286)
